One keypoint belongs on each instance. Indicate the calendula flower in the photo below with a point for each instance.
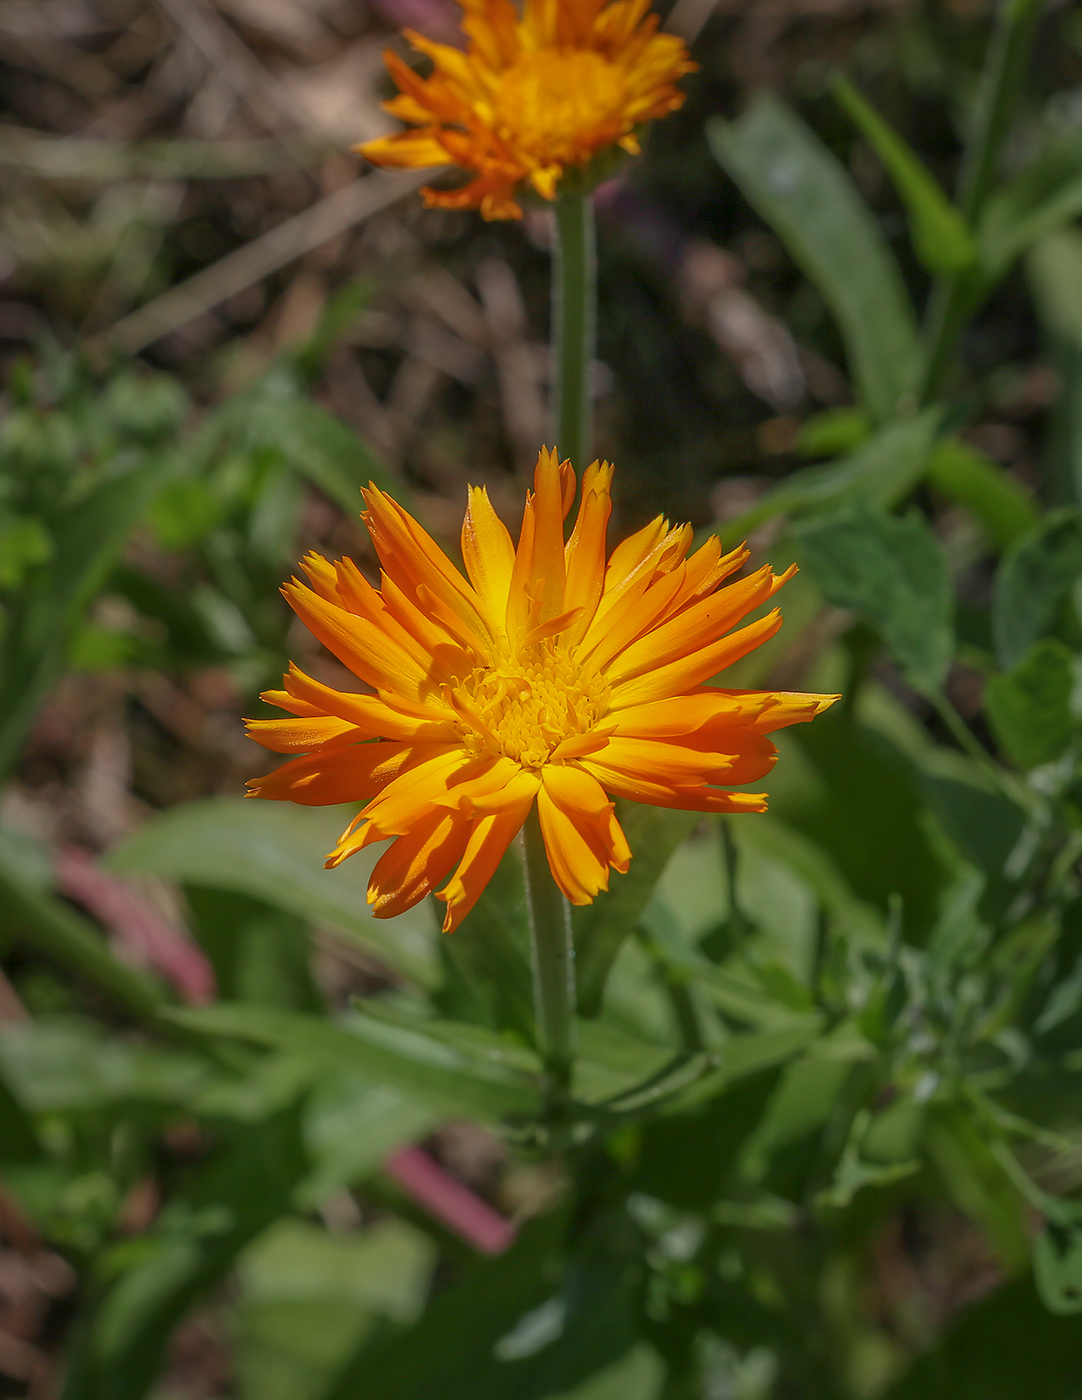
(531, 97)
(547, 676)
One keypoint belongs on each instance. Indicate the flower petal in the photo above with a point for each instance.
(416, 862)
(369, 713)
(691, 670)
(488, 553)
(352, 774)
(492, 833)
(302, 735)
(697, 625)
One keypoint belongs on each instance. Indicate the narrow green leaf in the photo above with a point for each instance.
(404, 1058)
(1045, 196)
(894, 573)
(274, 851)
(1054, 270)
(882, 471)
(976, 1181)
(995, 498)
(806, 196)
(941, 238)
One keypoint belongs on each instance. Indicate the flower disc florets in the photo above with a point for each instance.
(552, 675)
(527, 708)
(531, 97)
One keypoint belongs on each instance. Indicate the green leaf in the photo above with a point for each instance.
(514, 1328)
(600, 928)
(350, 1126)
(308, 1298)
(1034, 583)
(1030, 707)
(1054, 269)
(49, 926)
(881, 471)
(487, 961)
(71, 1066)
(1057, 1266)
(1002, 1348)
(833, 432)
(941, 238)
(894, 573)
(149, 1283)
(274, 851)
(849, 789)
(87, 537)
(806, 196)
(259, 953)
(997, 500)
(1043, 197)
(405, 1058)
(277, 417)
(976, 1182)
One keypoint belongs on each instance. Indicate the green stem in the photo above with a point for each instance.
(574, 318)
(1005, 65)
(553, 970)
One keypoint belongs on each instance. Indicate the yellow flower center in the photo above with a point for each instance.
(550, 102)
(524, 708)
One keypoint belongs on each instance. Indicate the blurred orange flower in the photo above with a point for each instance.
(531, 97)
(549, 677)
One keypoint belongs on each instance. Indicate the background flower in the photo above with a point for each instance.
(531, 97)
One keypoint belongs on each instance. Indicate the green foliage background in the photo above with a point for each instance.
(819, 1048)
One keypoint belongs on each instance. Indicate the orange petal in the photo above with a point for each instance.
(353, 774)
(582, 836)
(489, 839)
(659, 794)
(302, 735)
(584, 555)
(407, 150)
(576, 867)
(417, 862)
(488, 552)
(360, 645)
(369, 713)
(422, 787)
(547, 564)
(412, 557)
(292, 703)
(688, 671)
(698, 625)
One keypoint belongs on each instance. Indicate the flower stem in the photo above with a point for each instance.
(954, 295)
(574, 318)
(553, 970)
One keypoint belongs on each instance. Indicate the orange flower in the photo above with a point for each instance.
(531, 97)
(548, 677)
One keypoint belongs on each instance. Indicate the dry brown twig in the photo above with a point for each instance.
(290, 240)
